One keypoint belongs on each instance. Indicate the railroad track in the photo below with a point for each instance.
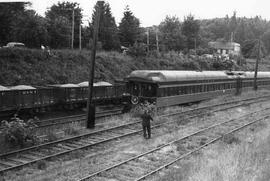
(143, 165)
(81, 118)
(26, 156)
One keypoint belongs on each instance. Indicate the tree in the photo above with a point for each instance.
(171, 35)
(108, 33)
(129, 28)
(232, 27)
(190, 29)
(59, 19)
(9, 14)
(266, 40)
(31, 30)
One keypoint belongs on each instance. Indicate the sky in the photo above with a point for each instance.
(152, 12)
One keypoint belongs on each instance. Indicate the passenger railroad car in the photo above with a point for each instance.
(167, 88)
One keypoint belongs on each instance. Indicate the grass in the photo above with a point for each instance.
(80, 163)
(229, 160)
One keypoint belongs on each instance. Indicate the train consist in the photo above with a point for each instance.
(165, 88)
(53, 96)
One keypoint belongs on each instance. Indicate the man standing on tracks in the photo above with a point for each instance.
(146, 118)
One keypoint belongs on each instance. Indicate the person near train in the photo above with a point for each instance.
(146, 118)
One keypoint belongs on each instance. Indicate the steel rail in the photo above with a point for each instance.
(165, 145)
(108, 113)
(200, 148)
(123, 125)
(99, 142)
(75, 117)
(117, 110)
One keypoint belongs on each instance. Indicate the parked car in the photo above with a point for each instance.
(15, 44)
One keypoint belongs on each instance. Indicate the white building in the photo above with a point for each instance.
(226, 48)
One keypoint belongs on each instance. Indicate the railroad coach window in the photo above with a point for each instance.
(185, 89)
(181, 90)
(214, 87)
(193, 89)
(196, 88)
(172, 91)
(208, 87)
(175, 91)
(163, 92)
(169, 93)
(199, 88)
(211, 86)
(188, 89)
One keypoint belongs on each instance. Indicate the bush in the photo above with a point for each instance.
(137, 50)
(230, 139)
(73, 129)
(19, 132)
(142, 107)
(51, 136)
(42, 164)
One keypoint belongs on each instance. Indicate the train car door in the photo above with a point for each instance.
(135, 89)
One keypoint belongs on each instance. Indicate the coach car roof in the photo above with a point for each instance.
(259, 75)
(2, 88)
(175, 75)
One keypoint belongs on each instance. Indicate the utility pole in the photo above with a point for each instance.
(147, 33)
(195, 46)
(157, 41)
(72, 34)
(90, 105)
(80, 36)
(256, 66)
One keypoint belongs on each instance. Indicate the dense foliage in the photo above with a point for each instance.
(19, 132)
(37, 67)
(18, 23)
(59, 24)
(129, 28)
(108, 33)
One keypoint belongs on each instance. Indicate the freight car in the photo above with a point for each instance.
(167, 88)
(63, 95)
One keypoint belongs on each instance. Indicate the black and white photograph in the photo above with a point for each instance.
(134, 90)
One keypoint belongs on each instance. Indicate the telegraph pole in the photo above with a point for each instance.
(72, 35)
(90, 105)
(157, 41)
(80, 36)
(256, 66)
(195, 46)
(147, 40)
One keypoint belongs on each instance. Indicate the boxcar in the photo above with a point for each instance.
(66, 94)
(103, 92)
(24, 96)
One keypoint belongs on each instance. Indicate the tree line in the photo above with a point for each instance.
(23, 25)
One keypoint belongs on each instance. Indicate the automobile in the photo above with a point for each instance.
(15, 44)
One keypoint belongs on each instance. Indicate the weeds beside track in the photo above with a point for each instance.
(20, 158)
